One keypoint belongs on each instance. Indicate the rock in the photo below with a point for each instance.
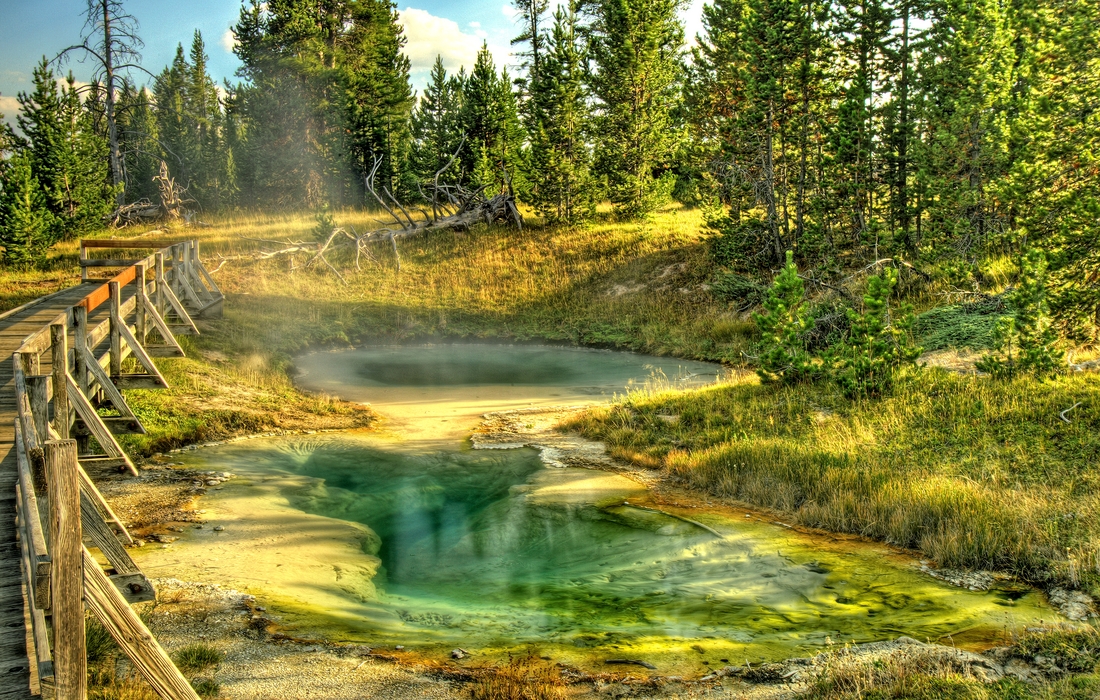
(631, 662)
(399, 647)
(219, 528)
(1075, 605)
(459, 653)
(970, 580)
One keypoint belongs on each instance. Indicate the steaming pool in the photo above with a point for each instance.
(407, 536)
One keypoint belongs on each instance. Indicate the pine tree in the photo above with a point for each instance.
(783, 327)
(561, 184)
(67, 157)
(878, 344)
(326, 92)
(636, 49)
(27, 227)
(965, 86)
(174, 133)
(493, 156)
(863, 33)
(377, 95)
(436, 129)
(531, 13)
(1025, 342)
(138, 144)
(760, 99)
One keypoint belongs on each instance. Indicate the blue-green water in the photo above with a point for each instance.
(490, 550)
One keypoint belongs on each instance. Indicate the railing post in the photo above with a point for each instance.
(158, 275)
(66, 571)
(31, 363)
(80, 331)
(83, 257)
(116, 334)
(139, 278)
(38, 395)
(59, 343)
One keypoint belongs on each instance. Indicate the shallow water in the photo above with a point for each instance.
(489, 550)
(435, 391)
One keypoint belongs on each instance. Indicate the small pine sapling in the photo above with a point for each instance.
(1025, 342)
(27, 228)
(878, 345)
(783, 354)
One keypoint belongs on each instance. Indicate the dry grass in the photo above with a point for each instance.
(520, 679)
(973, 473)
(928, 674)
(641, 286)
(931, 674)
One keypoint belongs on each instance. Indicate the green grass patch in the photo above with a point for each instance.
(197, 657)
(1071, 648)
(959, 326)
(98, 644)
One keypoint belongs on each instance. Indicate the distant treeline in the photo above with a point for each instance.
(847, 131)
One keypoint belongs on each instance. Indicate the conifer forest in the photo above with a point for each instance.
(934, 131)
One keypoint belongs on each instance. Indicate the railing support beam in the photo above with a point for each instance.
(59, 342)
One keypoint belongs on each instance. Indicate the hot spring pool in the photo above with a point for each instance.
(431, 545)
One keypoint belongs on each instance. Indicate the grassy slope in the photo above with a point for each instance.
(973, 473)
(636, 286)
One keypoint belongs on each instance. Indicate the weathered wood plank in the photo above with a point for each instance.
(66, 579)
(95, 424)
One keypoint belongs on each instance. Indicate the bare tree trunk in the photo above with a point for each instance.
(109, 101)
(769, 188)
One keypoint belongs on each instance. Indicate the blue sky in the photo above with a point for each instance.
(454, 29)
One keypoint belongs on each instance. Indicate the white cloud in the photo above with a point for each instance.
(474, 25)
(429, 35)
(228, 40)
(9, 107)
(509, 10)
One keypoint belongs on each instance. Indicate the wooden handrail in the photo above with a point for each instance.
(59, 575)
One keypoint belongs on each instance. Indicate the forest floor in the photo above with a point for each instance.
(971, 472)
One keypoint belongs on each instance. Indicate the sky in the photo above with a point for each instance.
(454, 29)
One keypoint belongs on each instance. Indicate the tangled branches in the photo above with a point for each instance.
(453, 207)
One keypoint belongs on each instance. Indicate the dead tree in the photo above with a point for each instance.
(173, 204)
(454, 207)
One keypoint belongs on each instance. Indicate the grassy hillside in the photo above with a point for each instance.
(640, 286)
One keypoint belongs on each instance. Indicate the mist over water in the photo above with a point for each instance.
(489, 549)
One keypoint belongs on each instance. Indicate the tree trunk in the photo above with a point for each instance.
(109, 101)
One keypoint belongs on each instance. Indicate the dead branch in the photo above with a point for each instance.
(454, 207)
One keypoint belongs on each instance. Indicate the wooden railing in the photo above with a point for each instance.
(67, 416)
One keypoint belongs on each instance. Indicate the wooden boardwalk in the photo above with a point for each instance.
(15, 674)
